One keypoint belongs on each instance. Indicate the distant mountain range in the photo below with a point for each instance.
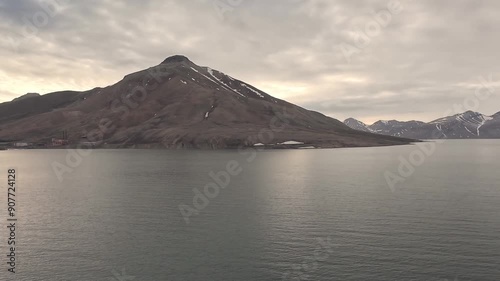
(176, 104)
(467, 125)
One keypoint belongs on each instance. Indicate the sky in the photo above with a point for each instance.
(367, 59)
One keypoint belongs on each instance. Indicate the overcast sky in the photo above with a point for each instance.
(418, 61)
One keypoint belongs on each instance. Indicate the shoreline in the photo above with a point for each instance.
(163, 147)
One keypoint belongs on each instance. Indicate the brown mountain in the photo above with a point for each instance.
(176, 104)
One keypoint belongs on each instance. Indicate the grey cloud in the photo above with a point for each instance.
(412, 70)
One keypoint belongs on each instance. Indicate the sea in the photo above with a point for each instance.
(428, 211)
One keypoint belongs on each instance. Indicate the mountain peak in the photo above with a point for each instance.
(469, 113)
(27, 96)
(357, 125)
(176, 59)
(351, 120)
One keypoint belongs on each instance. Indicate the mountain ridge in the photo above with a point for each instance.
(466, 125)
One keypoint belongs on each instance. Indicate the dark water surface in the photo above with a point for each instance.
(288, 215)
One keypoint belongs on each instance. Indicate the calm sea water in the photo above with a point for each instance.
(289, 215)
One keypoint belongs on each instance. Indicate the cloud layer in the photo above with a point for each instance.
(371, 59)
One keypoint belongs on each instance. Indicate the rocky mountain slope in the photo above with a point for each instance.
(467, 125)
(176, 104)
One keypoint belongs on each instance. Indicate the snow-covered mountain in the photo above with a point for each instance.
(467, 125)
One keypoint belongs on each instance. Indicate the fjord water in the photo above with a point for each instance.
(289, 215)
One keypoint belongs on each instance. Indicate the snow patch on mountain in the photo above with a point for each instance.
(206, 77)
(440, 128)
(224, 85)
(291, 143)
(485, 119)
(245, 86)
(467, 129)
